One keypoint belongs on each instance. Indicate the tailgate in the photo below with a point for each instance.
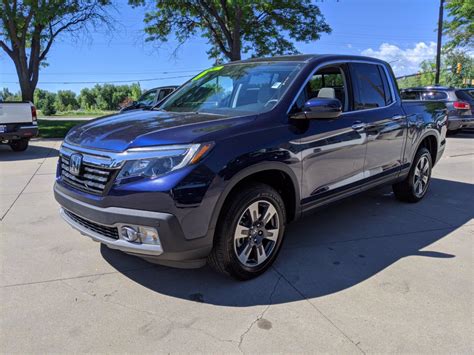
(15, 112)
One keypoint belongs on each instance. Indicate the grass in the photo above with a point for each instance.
(56, 128)
(79, 113)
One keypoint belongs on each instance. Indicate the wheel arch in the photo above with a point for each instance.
(284, 179)
(430, 141)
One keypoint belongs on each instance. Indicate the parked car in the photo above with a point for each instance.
(460, 103)
(150, 98)
(226, 162)
(18, 123)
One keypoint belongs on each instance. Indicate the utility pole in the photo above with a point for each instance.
(438, 47)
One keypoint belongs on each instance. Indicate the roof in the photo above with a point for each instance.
(306, 58)
(427, 88)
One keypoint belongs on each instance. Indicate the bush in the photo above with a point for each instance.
(48, 108)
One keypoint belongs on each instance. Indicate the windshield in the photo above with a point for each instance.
(234, 89)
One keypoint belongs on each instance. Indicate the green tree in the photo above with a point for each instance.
(66, 101)
(449, 71)
(450, 75)
(38, 98)
(87, 99)
(460, 23)
(48, 105)
(28, 29)
(135, 91)
(236, 27)
(7, 95)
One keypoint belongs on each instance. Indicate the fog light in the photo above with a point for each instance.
(149, 235)
(130, 234)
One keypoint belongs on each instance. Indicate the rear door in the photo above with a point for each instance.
(378, 107)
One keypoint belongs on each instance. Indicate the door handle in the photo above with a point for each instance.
(397, 117)
(358, 125)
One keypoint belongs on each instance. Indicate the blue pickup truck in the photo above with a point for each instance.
(217, 171)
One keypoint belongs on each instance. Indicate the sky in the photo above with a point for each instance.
(402, 32)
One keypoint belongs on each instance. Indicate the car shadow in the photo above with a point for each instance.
(324, 253)
(463, 134)
(34, 151)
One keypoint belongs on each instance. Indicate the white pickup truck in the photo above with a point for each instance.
(18, 123)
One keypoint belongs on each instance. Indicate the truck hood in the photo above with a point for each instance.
(150, 128)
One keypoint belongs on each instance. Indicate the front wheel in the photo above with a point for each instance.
(414, 187)
(249, 232)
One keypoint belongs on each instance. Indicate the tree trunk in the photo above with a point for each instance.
(236, 40)
(27, 85)
(27, 82)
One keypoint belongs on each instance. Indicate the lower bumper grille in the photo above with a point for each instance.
(106, 231)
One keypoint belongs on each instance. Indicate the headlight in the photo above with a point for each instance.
(152, 162)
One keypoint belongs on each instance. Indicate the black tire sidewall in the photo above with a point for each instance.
(19, 145)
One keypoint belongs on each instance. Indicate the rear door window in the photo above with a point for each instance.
(369, 90)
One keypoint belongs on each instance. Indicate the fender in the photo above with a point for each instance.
(426, 134)
(253, 169)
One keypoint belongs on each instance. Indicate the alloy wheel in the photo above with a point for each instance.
(256, 233)
(421, 176)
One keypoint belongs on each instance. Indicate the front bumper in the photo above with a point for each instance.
(120, 244)
(174, 249)
(456, 123)
(18, 132)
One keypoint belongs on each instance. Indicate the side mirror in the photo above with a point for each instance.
(319, 108)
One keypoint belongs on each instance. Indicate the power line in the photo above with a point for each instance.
(116, 73)
(104, 82)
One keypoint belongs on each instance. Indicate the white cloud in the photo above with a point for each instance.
(403, 61)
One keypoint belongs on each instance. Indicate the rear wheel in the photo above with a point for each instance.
(19, 145)
(414, 187)
(249, 233)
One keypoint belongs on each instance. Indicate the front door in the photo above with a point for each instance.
(333, 150)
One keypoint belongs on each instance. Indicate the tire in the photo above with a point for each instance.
(243, 258)
(19, 145)
(410, 190)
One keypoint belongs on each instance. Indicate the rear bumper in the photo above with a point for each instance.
(174, 249)
(23, 131)
(455, 123)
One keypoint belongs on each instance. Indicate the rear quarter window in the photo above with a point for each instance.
(410, 95)
(434, 96)
(465, 95)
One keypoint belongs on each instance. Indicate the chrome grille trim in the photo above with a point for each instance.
(92, 179)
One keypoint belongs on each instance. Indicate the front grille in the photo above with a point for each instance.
(106, 231)
(91, 178)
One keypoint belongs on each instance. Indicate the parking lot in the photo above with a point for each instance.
(369, 274)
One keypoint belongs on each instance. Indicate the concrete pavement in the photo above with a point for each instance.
(369, 275)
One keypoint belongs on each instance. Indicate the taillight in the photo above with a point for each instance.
(460, 105)
(34, 116)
